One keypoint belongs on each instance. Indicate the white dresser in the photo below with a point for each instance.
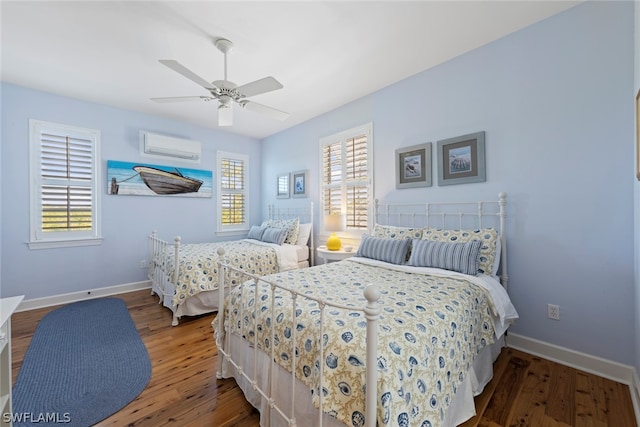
(7, 307)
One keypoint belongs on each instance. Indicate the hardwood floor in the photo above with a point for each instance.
(183, 391)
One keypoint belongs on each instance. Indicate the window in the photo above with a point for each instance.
(347, 176)
(233, 202)
(64, 163)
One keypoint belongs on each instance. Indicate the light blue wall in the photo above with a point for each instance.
(636, 186)
(126, 220)
(553, 100)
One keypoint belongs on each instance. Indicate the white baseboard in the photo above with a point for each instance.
(34, 303)
(596, 365)
(635, 395)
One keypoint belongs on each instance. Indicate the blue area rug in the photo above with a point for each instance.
(85, 362)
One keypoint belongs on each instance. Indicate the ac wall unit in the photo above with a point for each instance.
(156, 145)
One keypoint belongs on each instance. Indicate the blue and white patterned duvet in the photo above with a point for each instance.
(430, 331)
(199, 269)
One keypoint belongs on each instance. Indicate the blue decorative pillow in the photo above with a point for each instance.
(460, 257)
(274, 235)
(393, 251)
(488, 259)
(256, 232)
(291, 225)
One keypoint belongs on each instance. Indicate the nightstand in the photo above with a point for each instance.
(326, 255)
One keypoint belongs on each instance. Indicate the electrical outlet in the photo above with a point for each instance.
(553, 311)
(143, 263)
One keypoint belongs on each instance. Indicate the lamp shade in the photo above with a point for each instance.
(334, 222)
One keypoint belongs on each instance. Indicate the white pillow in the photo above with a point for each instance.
(304, 231)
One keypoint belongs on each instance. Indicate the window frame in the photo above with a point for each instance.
(235, 229)
(342, 138)
(58, 239)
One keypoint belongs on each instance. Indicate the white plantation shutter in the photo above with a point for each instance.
(233, 192)
(66, 167)
(357, 182)
(332, 190)
(347, 176)
(64, 195)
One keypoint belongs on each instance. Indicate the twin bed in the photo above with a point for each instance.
(419, 312)
(185, 276)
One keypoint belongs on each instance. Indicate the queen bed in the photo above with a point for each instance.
(185, 276)
(419, 311)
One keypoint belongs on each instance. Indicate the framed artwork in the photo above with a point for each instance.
(413, 166)
(282, 186)
(299, 183)
(140, 179)
(638, 135)
(461, 159)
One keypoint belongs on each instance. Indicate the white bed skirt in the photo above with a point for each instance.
(461, 409)
(203, 302)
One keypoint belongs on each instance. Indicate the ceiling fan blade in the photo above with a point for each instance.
(179, 68)
(182, 98)
(258, 87)
(263, 109)
(225, 115)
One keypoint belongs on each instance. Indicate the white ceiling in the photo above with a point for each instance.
(326, 54)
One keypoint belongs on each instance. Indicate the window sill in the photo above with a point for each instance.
(53, 244)
(240, 233)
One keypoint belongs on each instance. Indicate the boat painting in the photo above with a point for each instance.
(163, 182)
(125, 178)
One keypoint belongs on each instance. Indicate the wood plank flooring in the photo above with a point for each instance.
(183, 391)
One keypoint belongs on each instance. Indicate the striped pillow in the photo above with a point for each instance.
(291, 225)
(393, 251)
(256, 232)
(274, 235)
(460, 257)
(488, 251)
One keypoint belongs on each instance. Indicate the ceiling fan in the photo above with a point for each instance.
(226, 91)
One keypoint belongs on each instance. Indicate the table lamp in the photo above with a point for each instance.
(334, 222)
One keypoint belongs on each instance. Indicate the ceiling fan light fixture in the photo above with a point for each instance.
(225, 91)
(225, 115)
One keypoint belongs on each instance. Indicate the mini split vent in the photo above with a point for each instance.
(162, 146)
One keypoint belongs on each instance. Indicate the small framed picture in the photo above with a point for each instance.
(413, 166)
(282, 186)
(461, 159)
(299, 183)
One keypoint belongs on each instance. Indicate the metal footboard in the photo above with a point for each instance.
(163, 255)
(371, 312)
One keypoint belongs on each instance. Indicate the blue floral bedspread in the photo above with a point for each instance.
(198, 270)
(430, 331)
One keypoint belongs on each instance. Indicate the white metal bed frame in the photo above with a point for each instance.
(163, 283)
(408, 215)
(469, 215)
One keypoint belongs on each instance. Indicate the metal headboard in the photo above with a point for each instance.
(451, 215)
(303, 213)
